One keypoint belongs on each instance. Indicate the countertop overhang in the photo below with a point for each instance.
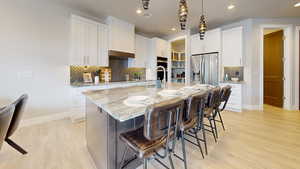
(111, 100)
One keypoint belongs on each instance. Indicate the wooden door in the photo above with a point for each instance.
(273, 69)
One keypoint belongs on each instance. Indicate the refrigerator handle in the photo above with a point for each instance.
(203, 69)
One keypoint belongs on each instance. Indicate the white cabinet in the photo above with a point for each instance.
(121, 35)
(197, 45)
(103, 45)
(142, 47)
(161, 47)
(211, 42)
(88, 42)
(235, 99)
(232, 47)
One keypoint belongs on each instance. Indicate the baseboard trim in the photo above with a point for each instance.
(45, 119)
(253, 107)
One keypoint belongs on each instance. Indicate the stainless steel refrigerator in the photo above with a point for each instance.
(206, 68)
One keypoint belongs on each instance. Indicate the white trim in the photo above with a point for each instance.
(287, 69)
(297, 71)
(252, 107)
(45, 119)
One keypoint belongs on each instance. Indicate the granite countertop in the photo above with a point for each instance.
(233, 82)
(82, 84)
(112, 100)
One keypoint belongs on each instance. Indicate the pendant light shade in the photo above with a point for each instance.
(146, 4)
(182, 14)
(202, 25)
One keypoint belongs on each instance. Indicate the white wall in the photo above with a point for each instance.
(34, 49)
(251, 54)
(256, 57)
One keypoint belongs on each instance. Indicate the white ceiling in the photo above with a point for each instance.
(164, 12)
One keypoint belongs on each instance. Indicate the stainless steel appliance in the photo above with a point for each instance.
(206, 68)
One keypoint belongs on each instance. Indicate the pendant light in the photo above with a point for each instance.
(182, 14)
(202, 25)
(146, 4)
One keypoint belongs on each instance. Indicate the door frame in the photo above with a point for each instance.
(287, 70)
(297, 69)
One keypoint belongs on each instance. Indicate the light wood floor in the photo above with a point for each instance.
(253, 140)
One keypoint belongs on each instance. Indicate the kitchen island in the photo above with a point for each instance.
(107, 116)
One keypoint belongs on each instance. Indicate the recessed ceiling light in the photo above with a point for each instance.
(139, 11)
(230, 7)
(297, 5)
(173, 29)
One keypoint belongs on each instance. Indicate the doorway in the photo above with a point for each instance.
(273, 63)
(178, 60)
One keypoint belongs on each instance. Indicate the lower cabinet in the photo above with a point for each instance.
(78, 100)
(235, 100)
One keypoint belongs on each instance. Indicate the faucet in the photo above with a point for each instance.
(164, 79)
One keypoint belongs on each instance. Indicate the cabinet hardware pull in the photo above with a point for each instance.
(100, 110)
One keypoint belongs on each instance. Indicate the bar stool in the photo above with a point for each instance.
(210, 112)
(6, 114)
(15, 121)
(225, 95)
(160, 125)
(193, 120)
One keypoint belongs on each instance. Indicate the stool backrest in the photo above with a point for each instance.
(163, 118)
(17, 115)
(195, 105)
(225, 94)
(214, 98)
(6, 114)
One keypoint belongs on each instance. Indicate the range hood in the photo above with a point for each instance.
(113, 54)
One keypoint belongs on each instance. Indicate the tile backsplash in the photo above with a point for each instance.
(135, 73)
(76, 72)
(234, 72)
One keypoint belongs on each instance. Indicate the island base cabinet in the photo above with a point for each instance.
(103, 141)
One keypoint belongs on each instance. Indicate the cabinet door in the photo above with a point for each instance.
(141, 52)
(213, 41)
(197, 45)
(78, 43)
(121, 35)
(91, 44)
(103, 45)
(232, 47)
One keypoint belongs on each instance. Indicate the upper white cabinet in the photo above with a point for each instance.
(103, 45)
(232, 47)
(88, 42)
(197, 45)
(121, 35)
(211, 42)
(161, 47)
(142, 47)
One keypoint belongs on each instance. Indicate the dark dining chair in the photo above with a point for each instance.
(192, 122)
(6, 114)
(19, 105)
(160, 128)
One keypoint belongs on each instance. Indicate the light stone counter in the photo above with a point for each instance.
(107, 116)
(112, 100)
